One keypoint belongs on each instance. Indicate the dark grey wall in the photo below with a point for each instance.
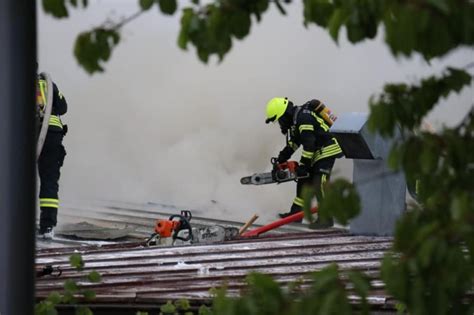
(381, 190)
(17, 162)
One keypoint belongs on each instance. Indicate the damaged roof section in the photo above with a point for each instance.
(136, 219)
(139, 277)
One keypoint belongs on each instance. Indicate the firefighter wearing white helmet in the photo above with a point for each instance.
(307, 126)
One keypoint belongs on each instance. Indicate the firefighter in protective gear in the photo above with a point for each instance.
(51, 158)
(306, 126)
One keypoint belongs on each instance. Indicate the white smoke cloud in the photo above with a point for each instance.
(159, 125)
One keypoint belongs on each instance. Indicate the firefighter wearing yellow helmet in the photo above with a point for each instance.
(307, 126)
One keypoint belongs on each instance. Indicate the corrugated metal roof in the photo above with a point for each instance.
(141, 216)
(146, 277)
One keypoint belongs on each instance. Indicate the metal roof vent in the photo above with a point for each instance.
(382, 191)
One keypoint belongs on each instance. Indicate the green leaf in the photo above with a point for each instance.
(168, 6)
(326, 277)
(45, 308)
(355, 33)
(460, 206)
(335, 22)
(427, 251)
(395, 276)
(54, 298)
(203, 55)
(223, 47)
(318, 12)
(240, 24)
(182, 304)
(261, 6)
(56, 8)
(361, 283)
(71, 286)
(341, 201)
(94, 277)
(403, 106)
(405, 228)
(361, 286)
(456, 79)
(168, 308)
(401, 308)
(441, 5)
(429, 157)
(394, 158)
(264, 294)
(195, 24)
(330, 302)
(69, 298)
(76, 261)
(204, 310)
(88, 295)
(83, 310)
(146, 4)
(94, 47)
(141, 313)
(183, 38)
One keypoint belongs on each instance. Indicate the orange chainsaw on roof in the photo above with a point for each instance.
(178, 228)
(172, 227)
(282, 172)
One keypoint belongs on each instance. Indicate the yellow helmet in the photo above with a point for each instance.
(276, 107)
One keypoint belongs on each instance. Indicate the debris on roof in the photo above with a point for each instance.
(85, 230)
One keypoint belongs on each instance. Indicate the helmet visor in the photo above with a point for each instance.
(271, 119)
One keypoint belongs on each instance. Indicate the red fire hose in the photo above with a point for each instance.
(278, 223)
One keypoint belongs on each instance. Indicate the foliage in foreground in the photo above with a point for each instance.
(430, 268)
(326, 293)
(431, 28)
(323, 292)
(72, 292)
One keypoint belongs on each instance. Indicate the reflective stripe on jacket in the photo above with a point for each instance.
(41, 99)
(311, 132)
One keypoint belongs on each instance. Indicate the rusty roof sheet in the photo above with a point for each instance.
(146, 277)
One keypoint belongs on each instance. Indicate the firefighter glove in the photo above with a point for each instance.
(302, 171)
(284, 155)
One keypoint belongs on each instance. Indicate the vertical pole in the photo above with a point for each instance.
(17, 156)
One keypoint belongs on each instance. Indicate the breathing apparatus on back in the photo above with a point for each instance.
(321, 110)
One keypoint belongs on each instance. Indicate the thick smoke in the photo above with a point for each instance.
(160, 126)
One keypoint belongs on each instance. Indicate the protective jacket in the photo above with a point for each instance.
(311, 132)
(59, 104)
(52, 156)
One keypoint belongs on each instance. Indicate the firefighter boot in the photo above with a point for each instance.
(321, 224)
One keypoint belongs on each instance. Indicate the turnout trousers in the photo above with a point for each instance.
(49, 164)
(318, 176)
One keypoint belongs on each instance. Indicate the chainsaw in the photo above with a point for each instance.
(281, 172)
(177, 230)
